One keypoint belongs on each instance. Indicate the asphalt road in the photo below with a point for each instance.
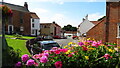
(64, 42)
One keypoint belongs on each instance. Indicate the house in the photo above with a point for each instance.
(35, 24)
(98, 31)
(70, 33)
(51, 29)
(20, 22)
(85, 26)
(108, 29)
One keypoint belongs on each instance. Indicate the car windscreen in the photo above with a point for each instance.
(50, 46)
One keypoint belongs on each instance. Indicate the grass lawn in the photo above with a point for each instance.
(18, 44)
(13, 36)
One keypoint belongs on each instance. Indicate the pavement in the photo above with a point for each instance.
(64, 42)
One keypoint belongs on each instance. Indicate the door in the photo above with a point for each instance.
(10, 29)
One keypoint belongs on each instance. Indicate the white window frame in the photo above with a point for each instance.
(118, 30)
(9, 29)
(21, 28)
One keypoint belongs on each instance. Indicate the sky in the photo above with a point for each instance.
(64, 12)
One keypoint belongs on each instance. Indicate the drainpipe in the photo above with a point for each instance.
(107, 22)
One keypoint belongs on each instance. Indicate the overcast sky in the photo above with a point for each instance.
(65, 12)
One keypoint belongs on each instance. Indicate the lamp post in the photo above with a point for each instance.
(6, 13)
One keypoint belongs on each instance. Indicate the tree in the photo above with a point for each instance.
(69, 28)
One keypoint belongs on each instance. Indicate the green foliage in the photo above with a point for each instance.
(69, 28)
(18, 44)
(10, 57)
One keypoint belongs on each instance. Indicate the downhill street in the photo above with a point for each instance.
(64, 42)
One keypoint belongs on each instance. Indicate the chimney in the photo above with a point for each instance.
(83, 19)
(53, 22)
(26, 5)
(87, 16)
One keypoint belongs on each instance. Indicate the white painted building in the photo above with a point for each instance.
(85, 26)
(35, 24)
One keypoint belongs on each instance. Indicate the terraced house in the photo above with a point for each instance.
(20, 22)
(50, 29)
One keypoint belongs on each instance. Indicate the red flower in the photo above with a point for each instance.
(58, 64)
(84, 48)
(57, 51)
(70, 55)
(63, 50)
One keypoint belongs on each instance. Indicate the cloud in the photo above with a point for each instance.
(94, 16)
(40, 10)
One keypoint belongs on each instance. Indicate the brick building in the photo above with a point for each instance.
(51, 29)
(108, 29)
(20, 22)
(98, 31)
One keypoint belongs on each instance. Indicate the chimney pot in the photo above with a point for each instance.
(26, 5)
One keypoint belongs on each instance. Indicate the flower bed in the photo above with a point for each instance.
(87, 54)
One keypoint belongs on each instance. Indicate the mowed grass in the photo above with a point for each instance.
(18, 44)
(13, 36)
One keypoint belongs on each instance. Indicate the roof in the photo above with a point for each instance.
(104, 19)
(15, 7)
(95, 22)
(34, 15)
(50, 24)
(46, 23)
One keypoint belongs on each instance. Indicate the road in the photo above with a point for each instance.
(64, 42)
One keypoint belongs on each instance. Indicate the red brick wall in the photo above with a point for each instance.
(113, 21)
(16, 22)
(97, 32)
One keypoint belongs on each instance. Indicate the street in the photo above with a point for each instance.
(64, 42)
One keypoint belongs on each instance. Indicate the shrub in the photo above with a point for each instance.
(87, 54)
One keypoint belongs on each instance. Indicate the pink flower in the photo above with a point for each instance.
(43, 59)
(30, 62)
(37, 56)
(107, 56)
(25, 57)
(80, 43)
(45, 54)
(96, 44)
(58, 64)
(63, 50)
(36, 64)
(84, 48)
(18, 64)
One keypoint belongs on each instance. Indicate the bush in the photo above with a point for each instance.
(10, 57)
(87, 54)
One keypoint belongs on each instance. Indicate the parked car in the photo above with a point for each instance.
(57, 37)
(75, 37)
(48, 38)
(63, 37)
(43, 45)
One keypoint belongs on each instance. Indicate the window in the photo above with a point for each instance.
(21, 20)
(21, 28)
(32, 25)
(119, 30)
(32, 31)
(32, 20)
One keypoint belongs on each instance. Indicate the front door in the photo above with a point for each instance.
(10, 29)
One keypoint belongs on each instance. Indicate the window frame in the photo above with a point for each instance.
(118, 30)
